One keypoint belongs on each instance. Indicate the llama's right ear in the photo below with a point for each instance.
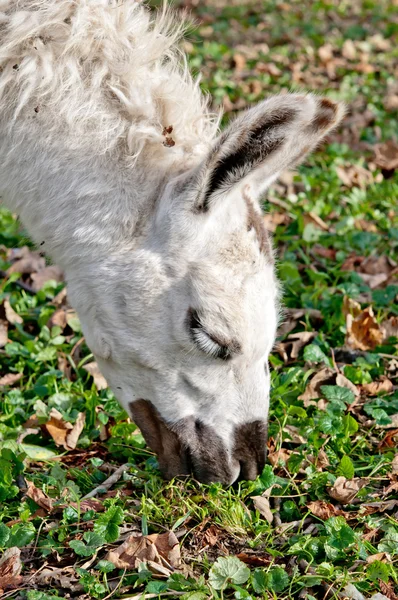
(267, 139)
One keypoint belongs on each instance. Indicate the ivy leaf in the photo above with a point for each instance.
(156, 587)
(337, 393)
(107, 524)
(346, 468)
(228, 570)
(259, 581)
(4, 534)
(278, 579)
(378, 570)
(315, 354)
(93, 541)
(21, 535)
(340, 535)
(267, 477)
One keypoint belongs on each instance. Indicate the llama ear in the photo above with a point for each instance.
(267, 139)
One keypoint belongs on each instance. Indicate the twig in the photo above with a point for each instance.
(108, 483)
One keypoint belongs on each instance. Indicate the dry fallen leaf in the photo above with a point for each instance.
(11, 316)
(324, 510)
(26, 262)
(348, 50)
(390, 328)
(63, 433)
(375, 387)
(39, 496)
(3, 331)
(344, 490)
(99, 380)
(254, 560)
(47, 274)
(394, 465)
(275, 457)
(387, 590)
(262, 505)
(161, 552)
(293, 315)
(363, 331)
(386, 155)
(10, 379)
(290, 348)
(65, 578)
(354, 176)
(10, 569)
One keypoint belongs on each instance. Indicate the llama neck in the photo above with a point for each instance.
(78, 208)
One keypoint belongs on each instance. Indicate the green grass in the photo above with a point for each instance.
(299, 554)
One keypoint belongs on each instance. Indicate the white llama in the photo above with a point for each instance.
(110, 156)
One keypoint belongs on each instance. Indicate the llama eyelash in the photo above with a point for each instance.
(204, 341)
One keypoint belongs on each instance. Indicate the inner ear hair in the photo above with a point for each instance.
(277, 134)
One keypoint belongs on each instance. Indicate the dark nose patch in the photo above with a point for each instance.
(186, 447)
(190, 447)
(161, 439)
(250, 448)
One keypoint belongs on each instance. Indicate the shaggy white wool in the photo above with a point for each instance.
(108, 70)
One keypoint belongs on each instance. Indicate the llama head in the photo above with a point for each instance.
(183, 329)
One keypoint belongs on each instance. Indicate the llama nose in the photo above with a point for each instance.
(250, 448)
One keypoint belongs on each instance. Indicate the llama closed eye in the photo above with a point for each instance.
(204, 341)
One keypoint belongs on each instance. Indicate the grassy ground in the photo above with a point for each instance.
(324, 513)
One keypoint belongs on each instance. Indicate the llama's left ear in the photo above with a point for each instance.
(267, 139)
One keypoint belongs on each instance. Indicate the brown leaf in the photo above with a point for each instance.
(290, 348)
(26, 262)
(390, 327)
(11, 316)
(63, 433)
(394, 465)
(157, 550)
(39, 496)
(10, 569)
(344, 490)
(3, 332)
(254, 560)
(85, 505)
(325, 53)
(324, 510)
(390, 440)
(386, 155)
(293, 316)
(387, 588)
(274, 219)
(212, 535)
(375, 387)
(10, 379)
(262, 505)
(65, 578)
(363, 331)
(354, 176)
(58, 319)
(279, 456)
(239, 62)
(348, 50)
(99, 380)
(47, 274)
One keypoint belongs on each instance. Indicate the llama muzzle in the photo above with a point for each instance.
(191, 447)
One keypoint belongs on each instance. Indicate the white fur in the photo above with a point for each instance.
(86, 90)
